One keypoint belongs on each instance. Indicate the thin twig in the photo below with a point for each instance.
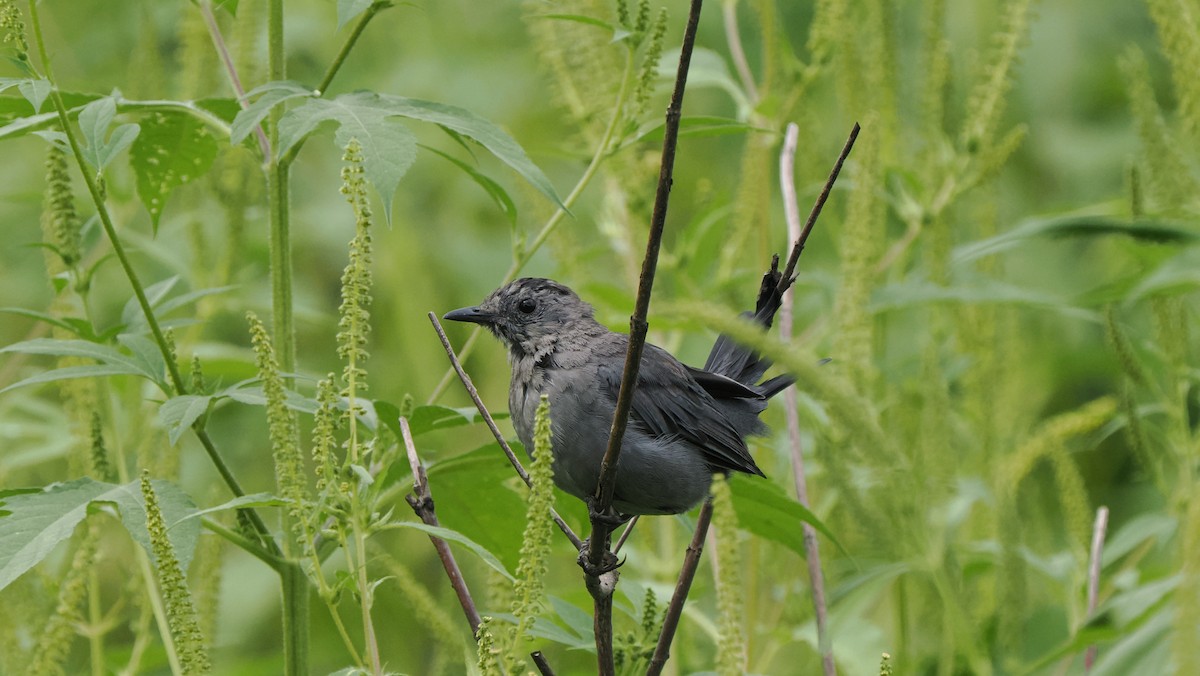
(736, 51)
(638, 326)
(214, 32)
(542, 665)
(1098, 532)
(687, 572)
(625, 533)
(791, 210)
(491, 423)
(422, 505)
(790, 270)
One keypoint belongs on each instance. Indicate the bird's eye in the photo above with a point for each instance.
(527, 305)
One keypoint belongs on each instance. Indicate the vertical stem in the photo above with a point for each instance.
(292, 579)
(278, 175)
(811, 548)
(1093, 591)
(294, 585)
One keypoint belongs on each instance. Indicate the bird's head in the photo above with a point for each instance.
(529, 315)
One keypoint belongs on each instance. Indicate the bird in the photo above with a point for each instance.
(685, 423)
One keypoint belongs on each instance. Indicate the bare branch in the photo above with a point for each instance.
(542, 665)
(214, 32)
(812, 551)
(491, 423)
(790, 270)
(687, 572)
(598, 543)
(422, 505)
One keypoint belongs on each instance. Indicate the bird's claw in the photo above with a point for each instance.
(609, 563)
(609, 517)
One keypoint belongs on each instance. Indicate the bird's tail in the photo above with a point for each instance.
(741, 363)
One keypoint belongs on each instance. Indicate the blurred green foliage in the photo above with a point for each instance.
(1005, 279)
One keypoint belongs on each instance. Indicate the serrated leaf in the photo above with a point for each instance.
(173, 149)
(94, 121)
(35, 92)
(178, 413)
(269, 95)
(473, 498)
(492, 188)
(388, 148)
(348, 9)
(33, 523)
(365, 112)
(454, 536)
(765, 510)
(487, 134)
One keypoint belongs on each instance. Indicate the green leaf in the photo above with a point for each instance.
(72, 372)
(35, 90)
(269, 95)
(388, 148)
(173, 149)
(348, 9)
(474, 497)
(429, 418)
(1148, 231)
(765, 510)
(154, 293)
(708, 69)
(1177, 274)
(83, 348)
(94, 121)
(492, 188)
(911, 293)
(243, 502)
(34, 522)
(178, 413)
(387, 152)
(481, 131)
(697, 126)
(454, 536)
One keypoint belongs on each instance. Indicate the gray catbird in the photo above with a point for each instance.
(685, 423)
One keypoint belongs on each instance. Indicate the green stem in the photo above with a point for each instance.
(293, 582)
(251, 547)
(295, 588)
(602, 150)
(95, 635)
(278, 176)
(351, 39)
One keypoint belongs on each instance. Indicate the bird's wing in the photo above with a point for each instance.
(668, 402)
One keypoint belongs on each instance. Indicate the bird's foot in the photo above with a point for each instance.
(608, 563)
(609, 517)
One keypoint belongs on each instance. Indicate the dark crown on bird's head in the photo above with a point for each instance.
(528, 312)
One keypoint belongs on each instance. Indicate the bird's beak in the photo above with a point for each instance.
(470, 314)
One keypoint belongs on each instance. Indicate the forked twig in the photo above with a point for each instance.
(491, 423)
(422, 505)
